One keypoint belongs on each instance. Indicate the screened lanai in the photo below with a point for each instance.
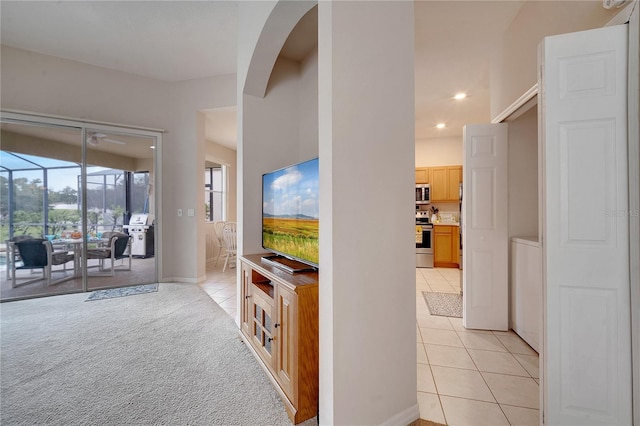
(42, 197)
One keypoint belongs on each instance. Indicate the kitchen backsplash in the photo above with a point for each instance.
(447, 212)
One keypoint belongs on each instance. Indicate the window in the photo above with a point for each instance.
(214, 193)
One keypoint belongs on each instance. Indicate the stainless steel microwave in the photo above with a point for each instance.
(423, 193)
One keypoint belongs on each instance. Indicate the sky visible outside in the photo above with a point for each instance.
(292, 190)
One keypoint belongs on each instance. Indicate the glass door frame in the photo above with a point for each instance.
(85, 126)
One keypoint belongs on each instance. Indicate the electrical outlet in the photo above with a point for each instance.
(179, 212)
(191, 212)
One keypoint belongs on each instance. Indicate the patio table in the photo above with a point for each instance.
(75, 245)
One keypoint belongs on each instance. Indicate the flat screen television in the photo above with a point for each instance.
(290, 214)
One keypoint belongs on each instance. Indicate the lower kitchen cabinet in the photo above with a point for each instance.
(279, 322)
(446, 246)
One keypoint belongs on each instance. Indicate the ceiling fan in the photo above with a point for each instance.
(96, 138)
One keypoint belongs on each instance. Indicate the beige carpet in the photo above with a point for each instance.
(171, 357)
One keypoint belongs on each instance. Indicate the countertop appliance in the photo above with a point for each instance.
(424, 240)
(423, 193)
(140, 227)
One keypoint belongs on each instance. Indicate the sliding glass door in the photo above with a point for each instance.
(68, 195)
(120, 209)
(39, 169)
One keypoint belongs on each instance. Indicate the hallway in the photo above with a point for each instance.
(471, 377)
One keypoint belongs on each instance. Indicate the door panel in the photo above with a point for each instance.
(39, 171)
(587, 353)
(485, 230)
(286, 361)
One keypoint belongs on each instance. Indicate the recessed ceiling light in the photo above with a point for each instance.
(152, 147)
(460, 95)
(441, 125)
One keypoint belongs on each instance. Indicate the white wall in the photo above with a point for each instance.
(439, 152)
(271, 140)
(367, 261)
(184, 164)
(523, 175)
(513, 68)
(48, 85)
(308, 131)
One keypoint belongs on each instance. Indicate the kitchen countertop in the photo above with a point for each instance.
(446, 223)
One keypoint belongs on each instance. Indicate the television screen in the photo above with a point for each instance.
(290, 211)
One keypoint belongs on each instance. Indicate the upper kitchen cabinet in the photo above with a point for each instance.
(422, 174)
(445, 183)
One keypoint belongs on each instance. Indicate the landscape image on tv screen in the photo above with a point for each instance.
(290, 211)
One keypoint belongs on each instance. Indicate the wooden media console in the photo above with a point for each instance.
(279, 322)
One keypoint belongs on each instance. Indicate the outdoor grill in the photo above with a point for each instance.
(140, 227)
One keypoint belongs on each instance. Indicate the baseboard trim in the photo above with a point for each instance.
(405, 417)
(182, 280)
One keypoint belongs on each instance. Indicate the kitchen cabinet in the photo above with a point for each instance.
(446, 246)
(422, 174)
(445, 183)
(279, 323)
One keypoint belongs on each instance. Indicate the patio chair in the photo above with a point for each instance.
(38, 253)
(230, 241)
(12, 254)
(118, 247)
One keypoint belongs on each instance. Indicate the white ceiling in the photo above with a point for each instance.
(181, 40)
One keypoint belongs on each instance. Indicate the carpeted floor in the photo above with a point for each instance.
(171, 357)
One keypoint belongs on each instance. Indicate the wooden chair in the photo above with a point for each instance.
(38, 253)
(229, 236)
(217, 227)
(118, 247)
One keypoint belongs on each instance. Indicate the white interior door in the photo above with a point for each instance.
(485, 260)
(585, 228)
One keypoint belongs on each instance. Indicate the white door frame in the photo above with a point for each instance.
(30, 118)
(633, 133)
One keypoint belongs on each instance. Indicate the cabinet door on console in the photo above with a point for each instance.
(286, 364)
(245, 294)
(262, 325)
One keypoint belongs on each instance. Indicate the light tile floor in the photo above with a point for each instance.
(221, 287)
(471, 377)
(465, 377)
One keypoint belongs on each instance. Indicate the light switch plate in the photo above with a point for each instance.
(191, 212)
